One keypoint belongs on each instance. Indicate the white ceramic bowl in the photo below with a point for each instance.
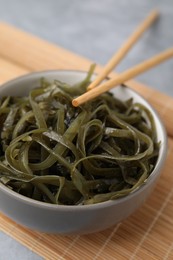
(76, 219)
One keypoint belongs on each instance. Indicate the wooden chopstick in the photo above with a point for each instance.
(118, 56)
(123, 77)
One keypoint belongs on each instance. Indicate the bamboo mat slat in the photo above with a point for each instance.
(148, 233)
(9, 70)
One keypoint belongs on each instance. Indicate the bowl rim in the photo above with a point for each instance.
(108, 203)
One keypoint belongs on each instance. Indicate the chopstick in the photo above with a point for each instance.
(118, 56)
(123, 77)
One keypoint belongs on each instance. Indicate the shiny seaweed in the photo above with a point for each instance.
(55, 153)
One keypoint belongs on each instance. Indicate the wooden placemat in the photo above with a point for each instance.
(148, 233)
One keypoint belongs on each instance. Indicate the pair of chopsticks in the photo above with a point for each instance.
(95, 90)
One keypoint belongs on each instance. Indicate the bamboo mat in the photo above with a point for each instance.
(148, 233)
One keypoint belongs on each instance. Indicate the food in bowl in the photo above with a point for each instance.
(91, 187)
(56, 153)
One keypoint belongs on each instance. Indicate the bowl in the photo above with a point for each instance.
(79, 219)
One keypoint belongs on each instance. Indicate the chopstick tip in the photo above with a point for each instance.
(75, 103)
(156, 13)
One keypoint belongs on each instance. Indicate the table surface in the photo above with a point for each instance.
(92, 29)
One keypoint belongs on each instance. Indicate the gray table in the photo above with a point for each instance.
(94, 29)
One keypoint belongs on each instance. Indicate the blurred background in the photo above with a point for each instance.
(97, 28)
(94, 29)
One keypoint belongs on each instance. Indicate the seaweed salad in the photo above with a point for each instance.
(56, 153)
